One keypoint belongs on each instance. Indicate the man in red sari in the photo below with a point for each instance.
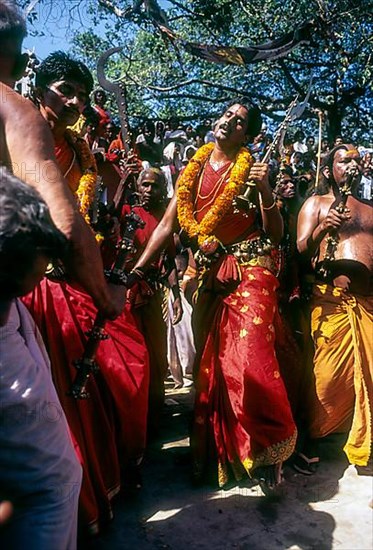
(242, 420)
(64, 313)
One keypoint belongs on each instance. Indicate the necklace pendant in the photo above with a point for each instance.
(216, 165)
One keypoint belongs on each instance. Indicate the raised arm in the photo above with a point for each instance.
(30, 151)
(272, 220)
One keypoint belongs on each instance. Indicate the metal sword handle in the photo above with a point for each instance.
(250, 185)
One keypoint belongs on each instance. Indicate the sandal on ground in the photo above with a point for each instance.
(305, 465)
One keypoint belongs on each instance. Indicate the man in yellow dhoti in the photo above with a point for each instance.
(336, 231)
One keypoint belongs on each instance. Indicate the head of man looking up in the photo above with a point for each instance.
(30, 156)
(237, 125)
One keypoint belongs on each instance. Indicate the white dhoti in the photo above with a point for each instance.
(39, 471)
(180, 344)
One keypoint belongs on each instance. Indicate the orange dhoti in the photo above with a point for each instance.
(342, 332)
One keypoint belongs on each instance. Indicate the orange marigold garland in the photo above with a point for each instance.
(87, 183)
(185, 195)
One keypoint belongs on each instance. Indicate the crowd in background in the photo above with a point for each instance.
(251, 328)
(170, 144)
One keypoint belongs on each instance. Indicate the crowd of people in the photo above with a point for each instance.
(249, 279)
(170, 145)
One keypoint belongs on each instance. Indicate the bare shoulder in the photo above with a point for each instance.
(16, 109)
(364, 203)
(16, 115)
(8, 98)
(311, 205)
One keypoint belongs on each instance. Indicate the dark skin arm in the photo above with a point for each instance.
(272, 220)
(313, 227)
(31, 155)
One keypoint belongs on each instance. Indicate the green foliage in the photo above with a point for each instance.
(162, 79)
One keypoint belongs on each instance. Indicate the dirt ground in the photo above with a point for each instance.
(329, 510)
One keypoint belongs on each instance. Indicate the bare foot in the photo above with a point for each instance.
(269, 477)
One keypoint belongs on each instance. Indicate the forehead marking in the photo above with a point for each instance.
(352, 153)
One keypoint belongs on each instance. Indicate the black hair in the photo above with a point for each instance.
(26, 230)
(102, 93)
(12, 23)
(59, 66)
(299, 134)
(329, 159)
(254, 117)
(92, 118)
(286, 169)
(149, 125)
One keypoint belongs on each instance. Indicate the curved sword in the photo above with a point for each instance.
(119, 89)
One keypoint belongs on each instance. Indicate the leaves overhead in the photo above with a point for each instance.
(163, 79)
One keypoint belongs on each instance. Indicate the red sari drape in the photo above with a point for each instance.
(242, 413)
(109, 428)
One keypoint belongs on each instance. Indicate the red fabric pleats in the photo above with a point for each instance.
(242, 410)
(109, 428)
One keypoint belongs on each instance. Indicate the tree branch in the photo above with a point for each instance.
(113, 9)
(236, 91)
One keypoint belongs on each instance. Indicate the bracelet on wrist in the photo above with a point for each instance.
(269, 207)
(139, 272)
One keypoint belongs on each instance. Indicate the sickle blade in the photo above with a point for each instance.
(117, 88)
(103, 81)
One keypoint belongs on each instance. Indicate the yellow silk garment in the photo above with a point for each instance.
(342, 330)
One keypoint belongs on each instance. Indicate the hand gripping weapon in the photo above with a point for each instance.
(294, 111)
(116, 275)
(244, 201)
(333, 239)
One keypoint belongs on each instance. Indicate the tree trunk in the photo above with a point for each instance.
(334, 122)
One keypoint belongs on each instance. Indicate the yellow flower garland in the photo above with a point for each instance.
(185, 195)
(87, 183)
